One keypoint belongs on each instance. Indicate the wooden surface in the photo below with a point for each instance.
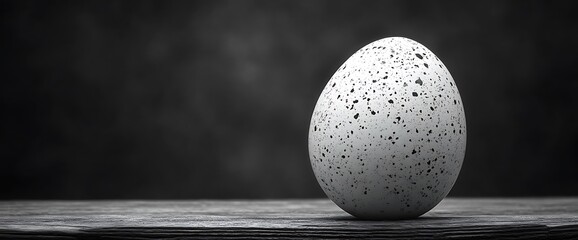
(552, 218)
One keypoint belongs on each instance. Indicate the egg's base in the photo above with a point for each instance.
(386, 218)
(392, 215)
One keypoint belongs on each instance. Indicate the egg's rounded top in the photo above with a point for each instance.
(388, 134)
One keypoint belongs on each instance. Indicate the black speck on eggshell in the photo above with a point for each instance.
(400, 156)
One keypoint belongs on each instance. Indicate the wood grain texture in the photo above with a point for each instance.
(465, 218)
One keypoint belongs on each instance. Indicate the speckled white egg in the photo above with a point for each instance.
(388, 134)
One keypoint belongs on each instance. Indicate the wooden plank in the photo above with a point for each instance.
(464, 218)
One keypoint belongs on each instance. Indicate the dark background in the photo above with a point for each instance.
(212, 99)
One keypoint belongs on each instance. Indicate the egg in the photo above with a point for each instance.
(387, 137)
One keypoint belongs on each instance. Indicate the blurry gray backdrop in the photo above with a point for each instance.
(212, 99)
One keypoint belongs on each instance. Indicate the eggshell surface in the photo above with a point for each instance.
(388, 134)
